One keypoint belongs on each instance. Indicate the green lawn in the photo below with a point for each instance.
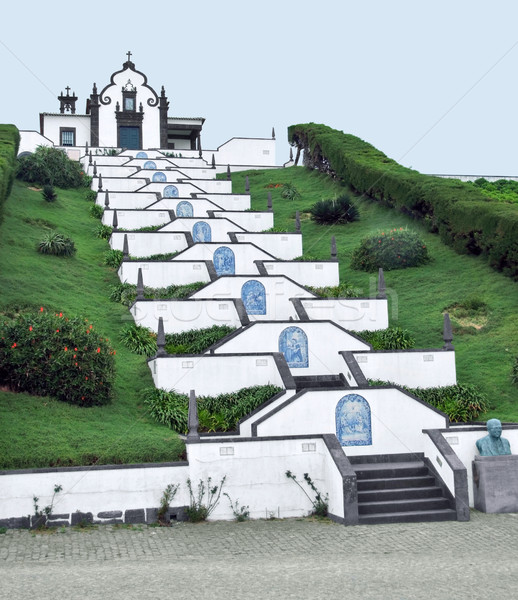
(417, 296)
(37, 432)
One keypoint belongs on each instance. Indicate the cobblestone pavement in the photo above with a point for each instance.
(294, 558)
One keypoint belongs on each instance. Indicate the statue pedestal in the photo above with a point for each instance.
(495, 483)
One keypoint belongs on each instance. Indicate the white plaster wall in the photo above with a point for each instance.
(285, 246)
(199, 206)
(245, 254)
(278, 292)
(126, 200)
(118, 171)
(52, 124)
(356, 314)
(397, 419)
(90, 490)
(119, 184)
(315, 274)
(256, 475)
(184, 189)
(105, 161)
(245, 426)
(163, 274)
(30, 140)
(212, 374)
(244, 151)
(162, 163)
(183, 315)
(219, 227)
(422, 368)
(325, 341)
(250, 221)
(141, 244)
(463, 444)
(439, 463)
(202, 172)
(228, 201)
(135, 219)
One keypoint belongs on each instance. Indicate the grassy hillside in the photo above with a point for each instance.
(417, 296)
(40, 431)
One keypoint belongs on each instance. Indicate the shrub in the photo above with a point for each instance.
(96, 211)
(216, 413)
(290, 192)
(91, 195)
(139, 339)
(461, 402)
(337, 210)
(343, 290)
(48, 193)
(113, 258)
(514, 371)
(103, 231)
(392, 338)
(306, 258)
(9, 143)
(47, 165)
(125, 293)
(51, 355)
(203, 503)
(320, 503)
(57, 244)
(394, 249)
(241, 512)
(195, 341)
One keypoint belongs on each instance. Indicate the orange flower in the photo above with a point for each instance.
(60, 314)
(66, 349)
(98, 350)
(41, 309)
(57, 330)
(14, 345)
(30, 327)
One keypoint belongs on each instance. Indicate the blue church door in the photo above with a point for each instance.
(129, 137)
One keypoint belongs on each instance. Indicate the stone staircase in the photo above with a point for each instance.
(399, 488)
(320, 381)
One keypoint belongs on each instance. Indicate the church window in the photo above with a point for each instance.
(68, 136)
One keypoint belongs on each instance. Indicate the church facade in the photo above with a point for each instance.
(126, 113)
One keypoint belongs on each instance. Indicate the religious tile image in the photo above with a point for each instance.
(253, 295)
(293, 343)
(353, 421)
(141, 155)
(159, 176)
(171, 191)
(201, 232)
(149, 164)
(224, 261)
(184, 209)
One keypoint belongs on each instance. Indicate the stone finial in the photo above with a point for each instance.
(172, 216)
(115, 223)
(382, 288)
(125, 247)
(100, 182)
(334, 255)
(140, 285)
(106, 199)
(90, 157)
(270, 203)
(228, 172)
(291, 154)
(213, 161)
(297, 222)
(94, 89)
(86, 147)
(447, 334)
(95, 168)
(192, 419)
(247, 184)
(273, 133)
(160, 338)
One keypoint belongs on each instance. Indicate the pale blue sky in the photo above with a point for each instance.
(433, 85)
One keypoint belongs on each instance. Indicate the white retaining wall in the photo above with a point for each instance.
(200, 207)
(229, 201)
(250, 221)
(397, 419)
(213, 374)
(164, 273)
(135, 219)
(412, 368)
(356, 314)
(119, 184)
(220, 228)
(285, 246)
(126, 200)
(314, 274)
(183, 315)
(148, 243)
(244, 151)
(30, 140)
(245, 255)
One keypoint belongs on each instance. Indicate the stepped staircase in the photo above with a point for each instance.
(399, 488)
(320, 381)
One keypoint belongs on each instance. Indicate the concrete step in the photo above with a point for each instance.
(395, 483)
(400, 506)
(410, 493)
(388, 470)
(418, 516)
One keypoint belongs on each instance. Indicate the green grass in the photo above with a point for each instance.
(417, 296)
(38, 432)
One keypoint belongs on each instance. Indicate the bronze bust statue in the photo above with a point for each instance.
(493, 444)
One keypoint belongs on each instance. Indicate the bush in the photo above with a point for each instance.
(338, 210)
(103, 231)
(219, 413)
(514, 371)
(48, 193)
(343, 290)
(47, 165)
(91, 195)
(125, 293)
(195, 341)
(394, 249)
(139, 339)
(461, 402)
(96, 211)
(49, 354)
(113, 258)
(290, 192)
(57, 244)
(392, 338)
(9, 143)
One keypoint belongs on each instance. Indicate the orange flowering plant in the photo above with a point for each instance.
(50, 354)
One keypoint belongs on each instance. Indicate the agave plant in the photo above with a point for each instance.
(57, 244)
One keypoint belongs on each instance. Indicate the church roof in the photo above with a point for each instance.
(63, 114)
